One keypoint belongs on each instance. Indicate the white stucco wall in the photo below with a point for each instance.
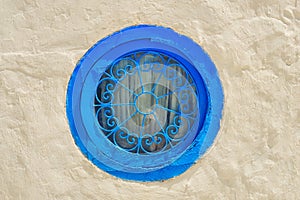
(255, 45)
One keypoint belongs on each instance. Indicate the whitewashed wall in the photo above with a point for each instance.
(255, 45)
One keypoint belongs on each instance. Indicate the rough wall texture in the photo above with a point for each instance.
(255, 45)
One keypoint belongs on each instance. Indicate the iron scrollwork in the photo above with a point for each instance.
(146, 102)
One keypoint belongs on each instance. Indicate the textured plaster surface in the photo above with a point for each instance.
(255, 45)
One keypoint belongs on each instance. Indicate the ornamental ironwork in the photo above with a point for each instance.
(146, 102)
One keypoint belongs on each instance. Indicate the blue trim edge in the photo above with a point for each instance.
(203, 140)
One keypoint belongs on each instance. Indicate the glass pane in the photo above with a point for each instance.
(146, 102)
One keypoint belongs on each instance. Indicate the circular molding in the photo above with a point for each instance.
(166, 85)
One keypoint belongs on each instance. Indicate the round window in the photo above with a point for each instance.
(144, 103)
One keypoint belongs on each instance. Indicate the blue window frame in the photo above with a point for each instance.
(144, 103)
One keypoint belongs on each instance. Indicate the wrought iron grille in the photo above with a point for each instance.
(146, 102)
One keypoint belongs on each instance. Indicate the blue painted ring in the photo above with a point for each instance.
(90, 138)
